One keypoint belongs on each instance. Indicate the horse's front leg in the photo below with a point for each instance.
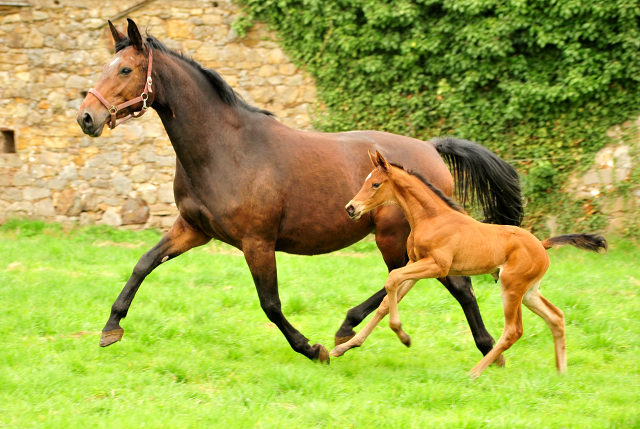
(423, 269)
(261, 259)
(180, 238)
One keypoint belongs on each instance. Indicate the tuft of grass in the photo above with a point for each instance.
(199, 352)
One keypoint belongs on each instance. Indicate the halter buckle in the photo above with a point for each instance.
(149, 83)
(113, 110)
(144, 97)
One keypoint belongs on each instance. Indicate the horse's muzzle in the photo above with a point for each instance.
(89, 124)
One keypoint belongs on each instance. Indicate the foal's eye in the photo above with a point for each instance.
(125, 71)
(375, 185)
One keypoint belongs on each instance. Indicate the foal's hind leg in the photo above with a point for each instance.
(511, 301)
(180, 238)
(380, 314)
(554, 317)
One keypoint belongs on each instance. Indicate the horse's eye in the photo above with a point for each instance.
(375, 185)
(125, 71)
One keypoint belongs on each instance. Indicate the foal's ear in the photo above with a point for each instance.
(115, 33)
(135, 36)
(374, 161)
(382, 162)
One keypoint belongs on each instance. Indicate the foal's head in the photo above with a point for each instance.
(123, 79)
(376, 190)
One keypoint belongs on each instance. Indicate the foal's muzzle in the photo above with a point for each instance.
(352, 212)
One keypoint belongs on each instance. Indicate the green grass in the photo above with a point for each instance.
(199, 352)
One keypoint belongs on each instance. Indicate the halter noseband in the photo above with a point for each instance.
(113, 110)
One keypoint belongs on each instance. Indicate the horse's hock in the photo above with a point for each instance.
(53, 52)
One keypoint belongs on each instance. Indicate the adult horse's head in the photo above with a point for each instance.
(125, 86)
(375, 191)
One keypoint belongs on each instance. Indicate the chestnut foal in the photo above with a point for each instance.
(445, 241)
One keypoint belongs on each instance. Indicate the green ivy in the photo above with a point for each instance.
(527, 79)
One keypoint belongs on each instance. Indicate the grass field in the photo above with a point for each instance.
(199, 352)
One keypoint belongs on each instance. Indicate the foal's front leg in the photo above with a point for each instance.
(423, 269)
(380, 314)
(180, 238)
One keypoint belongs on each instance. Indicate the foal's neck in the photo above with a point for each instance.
(416, 200)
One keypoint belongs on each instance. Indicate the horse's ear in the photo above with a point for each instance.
(374, 161)
(382, 162)
(134, 36)
(115, 33)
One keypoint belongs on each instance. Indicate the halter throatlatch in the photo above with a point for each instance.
(113, 110)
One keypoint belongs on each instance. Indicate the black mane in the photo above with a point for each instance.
(450, 201)
(227, 94)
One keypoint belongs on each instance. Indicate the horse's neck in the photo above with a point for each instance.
(199, 124)
(416, 200)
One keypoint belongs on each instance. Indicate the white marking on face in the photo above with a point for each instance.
(368, 177)
(114, 61)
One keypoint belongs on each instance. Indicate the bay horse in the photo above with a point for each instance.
(445, 241)
(245, 179)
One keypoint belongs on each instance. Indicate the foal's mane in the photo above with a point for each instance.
(450, 201)
(227, 94)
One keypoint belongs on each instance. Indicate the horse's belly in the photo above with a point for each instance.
(322, 235)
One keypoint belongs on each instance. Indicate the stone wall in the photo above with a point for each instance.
(53, 52)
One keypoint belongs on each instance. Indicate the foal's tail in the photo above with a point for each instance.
(590, 242)
(483, 177)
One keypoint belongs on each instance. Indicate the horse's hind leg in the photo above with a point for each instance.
(511, 301)
(380, 314)
(462, 291)
(180, 238)
(554, 317)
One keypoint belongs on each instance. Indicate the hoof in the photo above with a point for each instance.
(341, 340)
(500, 361)
(323, 354)
(338, 351)
(407, 341)
(110, 337)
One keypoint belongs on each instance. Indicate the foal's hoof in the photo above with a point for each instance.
(323, 353)
(110, 337)
(343, 339)
(500, 361)
(339, 350)
(407, 341)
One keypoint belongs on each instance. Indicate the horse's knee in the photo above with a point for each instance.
(383, 309)
(513, 335)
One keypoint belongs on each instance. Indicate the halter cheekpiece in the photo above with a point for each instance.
(113, 110)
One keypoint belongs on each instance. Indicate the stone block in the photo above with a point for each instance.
(287, 69)
(139, 173)
(122, 184)
(165, 193)
(44, 208)
(111, 217)
(69, 172)
(88, 173)
(276, 56)
(148, 192)
(286, 95)
(22, 178)
(148, 155)
(11, 194)
(34, 193)
(134, 211)
(179, 29)
(56, 184)
(267, 71)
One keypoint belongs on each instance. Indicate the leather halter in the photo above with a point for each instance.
(113, 110)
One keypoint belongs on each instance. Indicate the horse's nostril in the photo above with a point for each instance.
(350, 209)
(87, 120)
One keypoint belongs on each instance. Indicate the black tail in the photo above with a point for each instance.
(592, 243)
(482, 177)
